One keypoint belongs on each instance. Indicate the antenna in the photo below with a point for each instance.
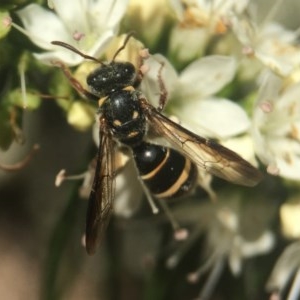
(75, 50)
(129, 35)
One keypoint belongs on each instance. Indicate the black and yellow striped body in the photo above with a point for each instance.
(165, 172)
(124, 114)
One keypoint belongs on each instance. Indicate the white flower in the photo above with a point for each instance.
(88, 25)
(209, 14)
(191, 95)
(269, 42)
(230, 236)
(199, 21)
(226, 240)
(276, 127)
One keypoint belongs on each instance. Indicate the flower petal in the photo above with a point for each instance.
(287, 157)
(262, 245)
(279, 65)
(66, 56)
(207, 75)
(196, 42)
(72, 14)
(72, 59)
(43, 26)
(243, 145)
(218, 118)
(107, 13)
(100, 44)
(150, 84)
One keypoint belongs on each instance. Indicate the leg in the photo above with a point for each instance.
(142, 68)
(74, 82)
(163, 91)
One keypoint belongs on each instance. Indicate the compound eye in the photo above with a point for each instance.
(128, 72)
(93, 77)
(129, 69)
(98, 81)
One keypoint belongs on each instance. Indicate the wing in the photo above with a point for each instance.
(102, 194)
(207, 154)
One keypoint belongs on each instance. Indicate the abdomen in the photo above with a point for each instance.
(165, 172)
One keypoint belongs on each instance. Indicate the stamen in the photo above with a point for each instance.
(153, 206)
(21, 69)
(144, 69)
(266, 106)
(194, 276)
(83, 241)
(21, 29)
(144, 53)
(212, 280)
(174, 259)
(248, 50)
(77, 35)
(179, 233)
(273, 169)
(275, 296)
(61, 177)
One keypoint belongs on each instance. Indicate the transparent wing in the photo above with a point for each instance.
(207, 154)
(103, 189)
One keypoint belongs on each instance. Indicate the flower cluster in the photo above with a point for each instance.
(228, 77)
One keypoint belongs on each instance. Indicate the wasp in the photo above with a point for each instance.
(125, 117)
